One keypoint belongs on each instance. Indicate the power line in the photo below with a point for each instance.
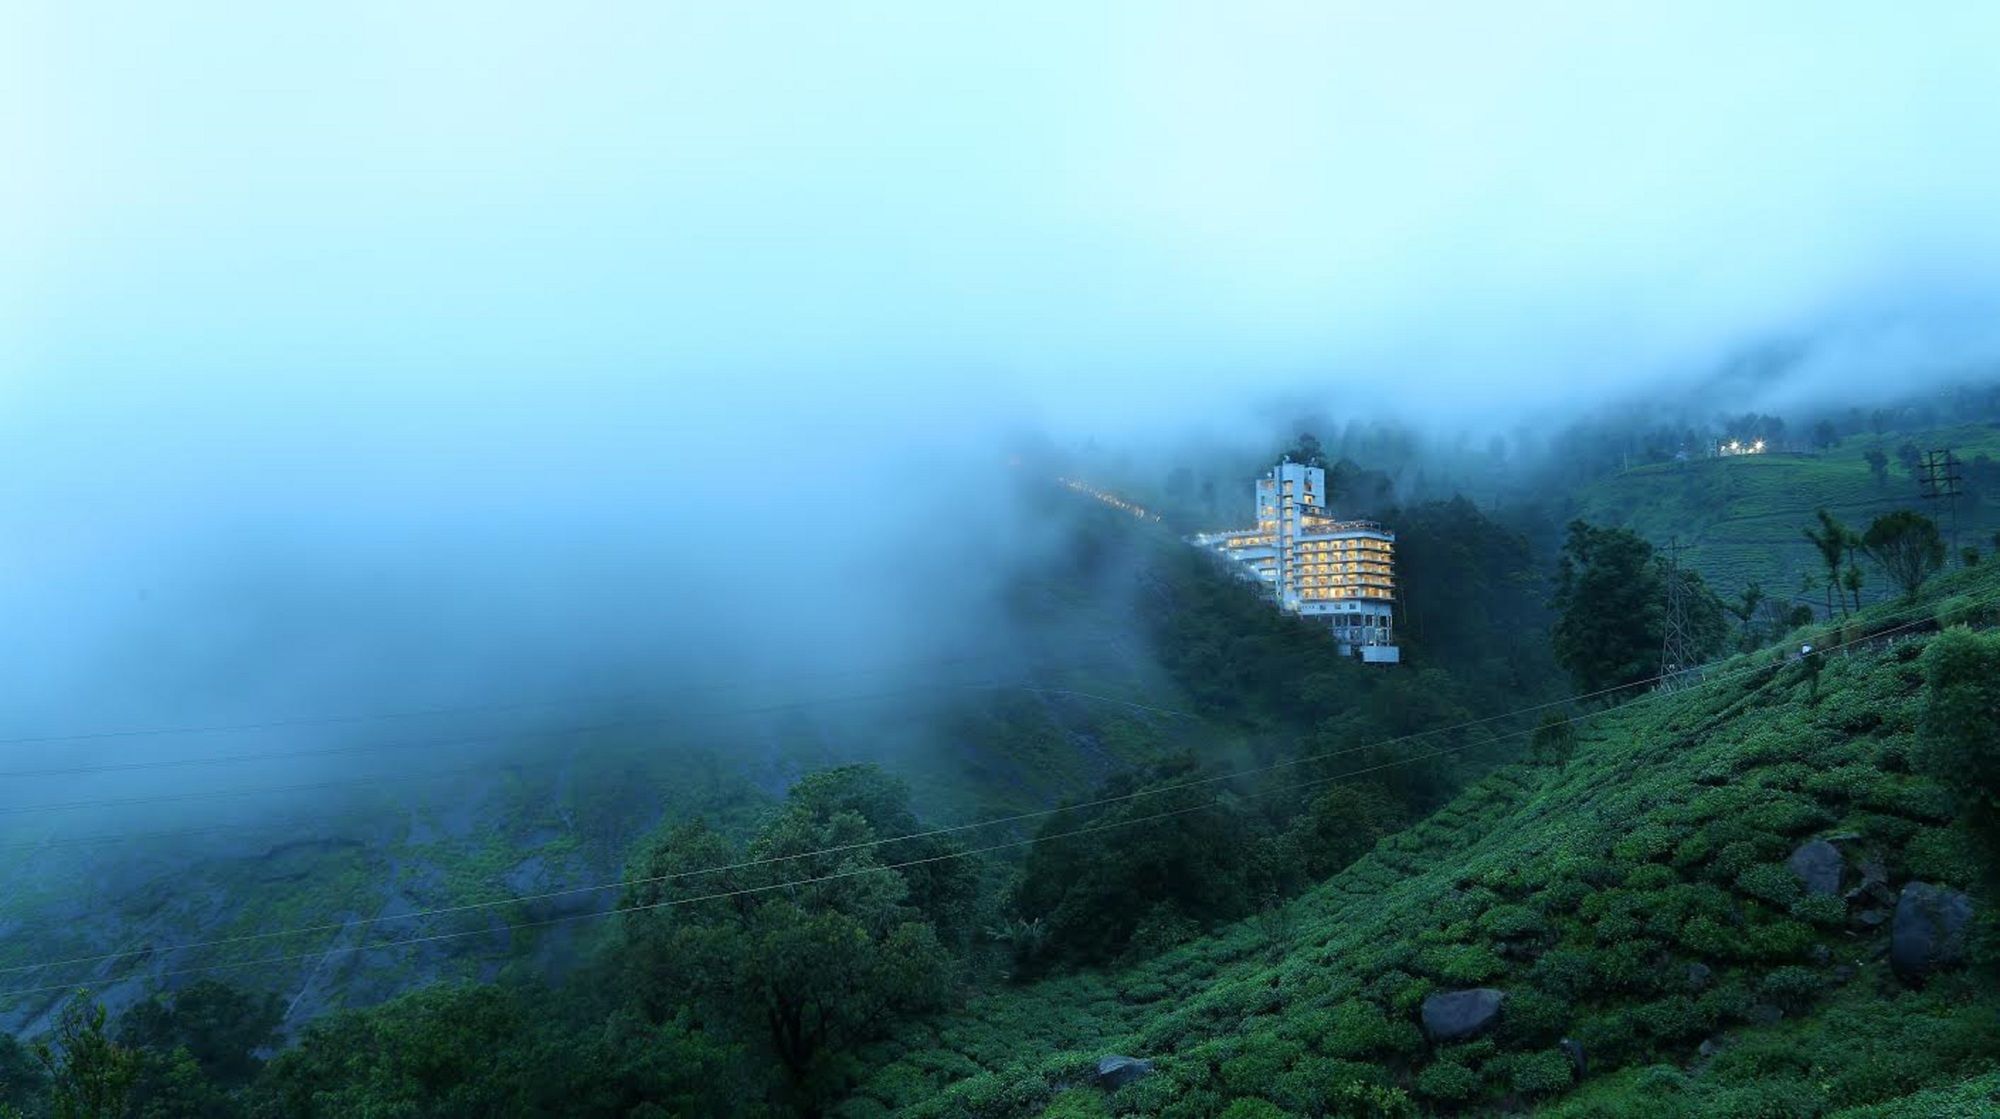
(958, 828)
(851, 872)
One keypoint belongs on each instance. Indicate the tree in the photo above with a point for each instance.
(1747, 610)
(1832, 542)
(813, 939)
(220, 1026)
(1610, 610)
(1911, 457)
(20, 1075)
(1907, 546)
(90, 1076)
(1878, 465)
(1307, 450)
(1824, 435)
(1959, 742)
(1116, 889)
(1851, 579)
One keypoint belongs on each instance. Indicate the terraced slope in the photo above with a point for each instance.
(1636, 899)
(1743, 516)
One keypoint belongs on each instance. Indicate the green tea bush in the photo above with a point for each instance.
(1563, 973)
(1316, 1084)
(1770, 882)
(1447, 1082)
(1534, 1018)
(1792, 987)
(1359, 1029)
(1824, 910)
(1541, 1073)
(1253, 1108)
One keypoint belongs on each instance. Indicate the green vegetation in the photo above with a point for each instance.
(1742, 515)
(1908, 547)
(1587, 893)
(1256, 875)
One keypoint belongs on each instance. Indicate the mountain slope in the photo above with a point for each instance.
(1587, 892)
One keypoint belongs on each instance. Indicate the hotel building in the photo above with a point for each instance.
(1317, 565)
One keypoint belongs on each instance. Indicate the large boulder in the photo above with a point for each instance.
(1819, 865)
(1929, 929)
(1456, 1014)
(1114, 1072)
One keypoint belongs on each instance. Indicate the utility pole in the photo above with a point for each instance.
(1676, 644)
(1941, 482)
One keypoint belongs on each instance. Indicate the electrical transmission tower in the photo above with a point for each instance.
(1677, 641)
(1941, 481)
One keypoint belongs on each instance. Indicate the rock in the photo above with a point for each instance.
(1820, 953)
(1710, 1047)
(1819, 865)
(1698, 976)
(1114, 1072)
(1929, 929)
(1764, 1014)
(1573, 1049)
(1456, 1014)
(1845, 973)
(1870, 918)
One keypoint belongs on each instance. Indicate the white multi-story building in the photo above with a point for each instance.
(1317, 565)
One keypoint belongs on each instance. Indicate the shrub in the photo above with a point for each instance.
(1777, 939)
(1506, 922)
(1358, 1029)
(1541, 1073)
(1651, 876)
(1469, 963)
(1534, 1017)
(1254, 1108)
(1316, 1084)
(1673, 1019)
(1826, 911)
(1563, 973)
(1770, 882)
(1370, 1101)
(1447, 1081)
(1647, 841)
(1791, 988)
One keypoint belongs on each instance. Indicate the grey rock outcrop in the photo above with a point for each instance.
(1114, 1072)
(1928, 931)
(1819, 865)
(1456, 1014)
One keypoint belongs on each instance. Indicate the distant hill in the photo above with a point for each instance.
(1742, 516)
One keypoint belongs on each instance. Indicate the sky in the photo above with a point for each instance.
(372, 352)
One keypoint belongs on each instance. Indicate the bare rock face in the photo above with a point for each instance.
(1114, 1072)
(1929, 929)
(1819, 865)
(1456, 1014)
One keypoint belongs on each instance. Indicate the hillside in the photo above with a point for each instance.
(1742, 517)
(1636, 899)
(370, 850)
